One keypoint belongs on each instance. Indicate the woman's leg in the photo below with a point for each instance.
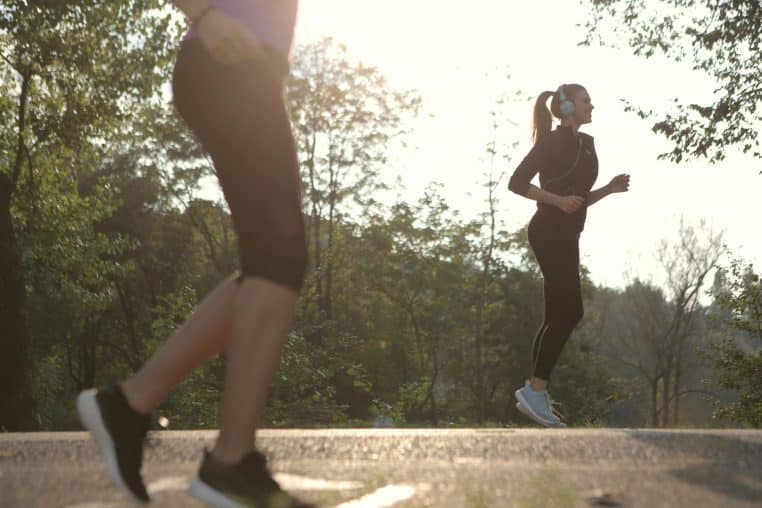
(205, 333)
(537, 383)
(563, 299)
(263, 315)
(243, 124)
(238, 114)
(558, 257)
(257, 314)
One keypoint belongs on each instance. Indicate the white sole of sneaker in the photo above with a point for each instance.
(90, 415)
(523, 406)
(520, 407)
(562, 425)
(210, 496)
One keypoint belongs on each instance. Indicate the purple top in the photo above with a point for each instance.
(271, 20)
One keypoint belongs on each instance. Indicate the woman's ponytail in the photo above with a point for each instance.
(543, 121)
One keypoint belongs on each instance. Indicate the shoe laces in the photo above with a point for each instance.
(553, 405)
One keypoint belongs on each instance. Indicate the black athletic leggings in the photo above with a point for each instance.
(238, 114)
(556, 247)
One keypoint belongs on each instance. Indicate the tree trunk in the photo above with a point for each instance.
(17, 406)
(478, 363)
(666, 380)
(676, 395)
(417, 335)
(484, 283)
(317, 336)
(654, 403)
(432, 394)
(328, 303)
(313, 228)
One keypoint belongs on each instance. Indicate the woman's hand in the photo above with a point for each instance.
(620, 183)
(228, 40)
(569, 204)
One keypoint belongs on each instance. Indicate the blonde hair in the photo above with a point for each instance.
(543, 121)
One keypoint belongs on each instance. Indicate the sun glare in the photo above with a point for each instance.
(457, 55)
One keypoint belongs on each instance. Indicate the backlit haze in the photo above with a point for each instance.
(457, 56)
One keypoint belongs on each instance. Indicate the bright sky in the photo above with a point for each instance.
(456, 56)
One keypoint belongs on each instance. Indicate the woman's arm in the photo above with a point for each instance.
(568, 204)
(620, 183)
(598, 194)
(529, 167)
(526, 171)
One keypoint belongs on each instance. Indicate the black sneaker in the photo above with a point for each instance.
(119, 432)
(245, 484)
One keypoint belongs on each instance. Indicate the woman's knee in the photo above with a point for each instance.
(286, 266)
(573, 316)
(566, 319)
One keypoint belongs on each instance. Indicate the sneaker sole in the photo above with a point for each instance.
(210, 496)
(91, 418)
(520, 407)
(523, 406)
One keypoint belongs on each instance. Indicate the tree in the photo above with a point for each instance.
(419, 271)
(656, 329)
(344, 114)
(488, 245)
(737, 356)
(71, 72)
(687, 262)
(637, 322)
(721, 38)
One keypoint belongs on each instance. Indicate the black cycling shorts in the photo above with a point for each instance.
(238, 114)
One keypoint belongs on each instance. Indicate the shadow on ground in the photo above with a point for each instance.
(728, 465)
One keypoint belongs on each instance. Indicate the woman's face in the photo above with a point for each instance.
(583, 108)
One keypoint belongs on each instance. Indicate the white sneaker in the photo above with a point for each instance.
(537, 406)
(555, 412)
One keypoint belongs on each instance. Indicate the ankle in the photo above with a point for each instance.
(131, 400)
(538, 385)
(226, 456)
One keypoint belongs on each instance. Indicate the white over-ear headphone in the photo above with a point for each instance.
(565, 105)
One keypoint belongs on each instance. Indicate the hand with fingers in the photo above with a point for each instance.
(620, 183)
(570, 204)
(228, 40)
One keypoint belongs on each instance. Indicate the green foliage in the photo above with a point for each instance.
(119, 249)
(740, 371)
(721, 39)
(738, 354)
(303, 393)
(72, 74)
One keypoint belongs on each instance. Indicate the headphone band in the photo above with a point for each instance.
(564, 105)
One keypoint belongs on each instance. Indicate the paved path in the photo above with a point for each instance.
(523, 468)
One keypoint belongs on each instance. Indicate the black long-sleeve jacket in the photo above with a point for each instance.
(568, 166)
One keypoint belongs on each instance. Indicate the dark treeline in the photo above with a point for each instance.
(411, 314)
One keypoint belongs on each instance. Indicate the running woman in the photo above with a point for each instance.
(566, 161)
(228, 87)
